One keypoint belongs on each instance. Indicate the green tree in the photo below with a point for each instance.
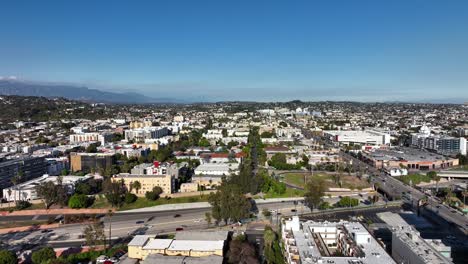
(347, 202)
(43, 255)
(204, 142)
(208, 218)
(115, 192)
(94, 234)
(78, 201)
(8, 257)
(92, 148)
(229, 203)
(154, 193)
(130, 198)
(315, 190)
(52, 193)
(137, 186)
(272, 249)
(82, 188)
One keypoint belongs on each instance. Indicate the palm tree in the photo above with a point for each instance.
(437, 179)
(110, 213)
(136, 185)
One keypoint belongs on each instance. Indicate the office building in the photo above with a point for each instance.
(88, 162)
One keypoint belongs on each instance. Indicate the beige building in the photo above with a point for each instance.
(189, 187)
(140, 124)
(144, 245)
(147, 182)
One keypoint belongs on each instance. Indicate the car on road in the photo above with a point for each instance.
(140, 222)
(293, 210)
(177, 215)
(46, 230)
(198, 220)
(179, 229)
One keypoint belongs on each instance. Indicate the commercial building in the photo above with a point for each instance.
(28, 167)
(27, 191)
(140, 134)
(442, 144)
(412, 159)
(331, 242)
(88, 162)
(199, 245)
(55, 166)
(363, 137)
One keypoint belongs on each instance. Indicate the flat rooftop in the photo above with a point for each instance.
(408, 154)
(311, 253)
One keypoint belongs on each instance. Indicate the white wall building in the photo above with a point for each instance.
(368, 137)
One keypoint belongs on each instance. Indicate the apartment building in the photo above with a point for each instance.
(90, 137)
(28, 167)
(148, 182)
(140, 134)
(331, 242)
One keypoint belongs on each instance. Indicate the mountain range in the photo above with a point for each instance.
(21, 88)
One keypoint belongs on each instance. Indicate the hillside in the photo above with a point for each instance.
(28, 108)
(13, 87)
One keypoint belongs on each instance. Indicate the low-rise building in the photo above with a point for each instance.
(196, 245)
(365, 137)
(218, 169)
(189, 187)
(412, 159)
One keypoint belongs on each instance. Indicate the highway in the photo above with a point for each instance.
(395, 188)
(125, 224)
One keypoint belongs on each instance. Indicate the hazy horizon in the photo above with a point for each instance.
(367, 51)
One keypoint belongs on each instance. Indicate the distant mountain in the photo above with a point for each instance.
(14, 87)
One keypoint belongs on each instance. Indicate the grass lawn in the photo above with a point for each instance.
(296, 179)
(290, 192)
(461, 168)
(415, 178)
(351, 182)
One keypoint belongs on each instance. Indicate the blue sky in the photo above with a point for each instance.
(243, 50)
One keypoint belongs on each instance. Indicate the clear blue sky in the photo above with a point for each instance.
(247, 50)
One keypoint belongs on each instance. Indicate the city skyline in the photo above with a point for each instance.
(400, 51)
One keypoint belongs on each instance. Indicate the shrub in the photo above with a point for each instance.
(79, 201)
(21, 205)
(43, 255)
(130, 198)
(8, 257)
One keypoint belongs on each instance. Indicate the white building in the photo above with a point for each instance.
(219, 169)
(140, 134)
(395, 172)
(90, 137)
(26, 191)
(365, 137)
(331, 242)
